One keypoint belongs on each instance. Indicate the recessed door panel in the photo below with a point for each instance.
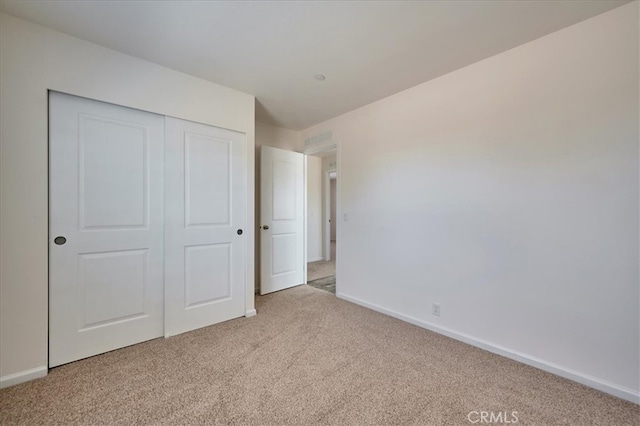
(113, 187)
(112, 286)
(284, 189)
(283, 249)
(207, 179)
(207, 274)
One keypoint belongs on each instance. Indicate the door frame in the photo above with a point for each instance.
(327, 143)
(305, 222)
(326, 237)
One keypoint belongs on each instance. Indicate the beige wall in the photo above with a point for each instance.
(507, 192)
(329, 164)
(278, 137)
(33, 60)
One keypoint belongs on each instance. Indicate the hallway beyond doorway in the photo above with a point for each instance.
(322, 269)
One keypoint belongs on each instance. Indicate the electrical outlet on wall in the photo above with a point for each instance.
(435, 309)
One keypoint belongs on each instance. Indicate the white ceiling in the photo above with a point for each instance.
(367, 50)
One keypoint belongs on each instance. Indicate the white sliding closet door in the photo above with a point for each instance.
(205, 244)
(106, 227)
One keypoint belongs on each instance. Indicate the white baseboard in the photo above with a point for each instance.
(601, 385)
(250, 313)
(23, 376)
(315, 259)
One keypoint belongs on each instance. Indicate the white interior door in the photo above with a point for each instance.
(281, 219)
(206, 190)
(106, 227)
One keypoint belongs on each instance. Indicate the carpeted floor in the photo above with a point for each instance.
(307, 358)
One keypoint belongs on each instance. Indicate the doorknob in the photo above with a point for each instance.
(59, 240)
(265, 227)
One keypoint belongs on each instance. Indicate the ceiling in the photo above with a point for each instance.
(366, 50)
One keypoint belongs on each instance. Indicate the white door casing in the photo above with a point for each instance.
(281, 219)
(106, 200)
(205, 240)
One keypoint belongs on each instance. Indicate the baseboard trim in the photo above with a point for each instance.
(250, 313)
(601, 385)
(315, 259)
(23, 376)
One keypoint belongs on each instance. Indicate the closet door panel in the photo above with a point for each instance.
(205, 245)
(106, 227)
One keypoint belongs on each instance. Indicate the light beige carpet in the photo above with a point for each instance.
(322, 269)
(308, 358)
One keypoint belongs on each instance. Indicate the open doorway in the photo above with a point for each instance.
(321, 220)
